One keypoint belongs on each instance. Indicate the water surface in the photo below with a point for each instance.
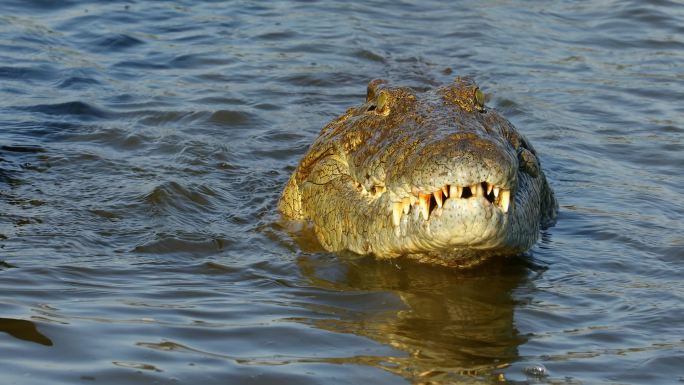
(143, 146)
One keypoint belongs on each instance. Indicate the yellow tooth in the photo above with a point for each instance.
(424, 205)
(476, 190)
(505, 200)
(496, 192)
(455, 191)
(412, 199)
(406, 205)
(396, 213)
(445, 191)
(489, 188)
(438, 197)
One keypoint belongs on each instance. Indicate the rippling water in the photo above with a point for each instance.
(143, 146)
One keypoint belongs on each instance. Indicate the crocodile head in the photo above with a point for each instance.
(435, 176)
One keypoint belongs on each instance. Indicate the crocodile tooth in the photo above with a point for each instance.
(496, 192)
(396, 213)
(406, 205)
(489, 188)
(445, 191)
(424, 204)
(438, 197)
(476, 190)
(412, 199)
(455, 191)
(505, 200)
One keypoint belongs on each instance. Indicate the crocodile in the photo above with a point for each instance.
(433, 175)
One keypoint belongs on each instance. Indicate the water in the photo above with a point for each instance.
(143, 146)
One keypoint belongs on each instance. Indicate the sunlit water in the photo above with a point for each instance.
(144, 145)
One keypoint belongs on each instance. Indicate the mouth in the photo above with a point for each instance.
(426, 203)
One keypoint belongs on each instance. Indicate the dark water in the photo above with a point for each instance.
(143, 146)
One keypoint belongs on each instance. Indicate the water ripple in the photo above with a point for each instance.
(144, 146)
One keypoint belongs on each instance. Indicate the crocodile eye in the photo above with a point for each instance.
(479, 99)
(373, 87)
(381, 104)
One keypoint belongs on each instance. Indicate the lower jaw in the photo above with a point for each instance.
(455, 248)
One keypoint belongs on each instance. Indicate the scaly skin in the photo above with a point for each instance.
(434, 176)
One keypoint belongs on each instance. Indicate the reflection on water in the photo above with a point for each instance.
(452, 325)
(24, 330)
